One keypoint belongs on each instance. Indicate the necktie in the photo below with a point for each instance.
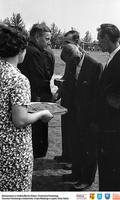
(78, 67)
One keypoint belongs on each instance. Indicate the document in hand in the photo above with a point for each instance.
(54, 108)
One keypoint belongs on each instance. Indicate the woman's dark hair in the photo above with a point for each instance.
(111, 30)
(12, 40)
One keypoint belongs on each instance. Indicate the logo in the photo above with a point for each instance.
(107, 195)
(116, 196)
(92, 196)
(99, 196)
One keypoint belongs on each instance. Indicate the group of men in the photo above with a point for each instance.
(90, 128)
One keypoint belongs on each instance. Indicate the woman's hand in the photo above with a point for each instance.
(46, 116)
(22, 118)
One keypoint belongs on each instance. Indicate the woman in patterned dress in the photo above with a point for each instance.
(16, 156)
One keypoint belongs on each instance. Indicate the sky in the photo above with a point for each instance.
(83, 15)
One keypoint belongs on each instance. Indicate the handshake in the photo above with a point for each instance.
(58, 82)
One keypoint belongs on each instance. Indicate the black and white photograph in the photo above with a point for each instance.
(59, 95)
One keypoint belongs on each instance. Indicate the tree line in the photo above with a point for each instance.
(56, 33)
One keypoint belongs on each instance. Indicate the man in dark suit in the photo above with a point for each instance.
(68, 53)
(38, 66)
(108, 111)
(78, 94)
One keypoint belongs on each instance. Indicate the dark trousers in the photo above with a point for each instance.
(84, 156)
(40, 139)
(40, 129)
(79, 147)
(66, 130)
(109, 160)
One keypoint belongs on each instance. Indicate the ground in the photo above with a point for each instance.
(47, 175)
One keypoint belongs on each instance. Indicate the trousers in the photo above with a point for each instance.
(109, 160)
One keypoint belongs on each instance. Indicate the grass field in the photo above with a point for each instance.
(47, 174)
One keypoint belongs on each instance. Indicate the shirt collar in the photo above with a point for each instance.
(111, 55)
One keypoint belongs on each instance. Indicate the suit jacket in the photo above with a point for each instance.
(108, 102)
(79, 96)
(38, 67)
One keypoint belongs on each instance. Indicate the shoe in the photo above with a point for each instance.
(67, 166)
(69, 178)
(80, 186)
(61, 159)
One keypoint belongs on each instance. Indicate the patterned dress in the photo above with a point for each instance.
(16, 156)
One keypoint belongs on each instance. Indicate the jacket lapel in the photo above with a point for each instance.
(110, 71)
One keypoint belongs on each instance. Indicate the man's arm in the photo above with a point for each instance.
(49, 63)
